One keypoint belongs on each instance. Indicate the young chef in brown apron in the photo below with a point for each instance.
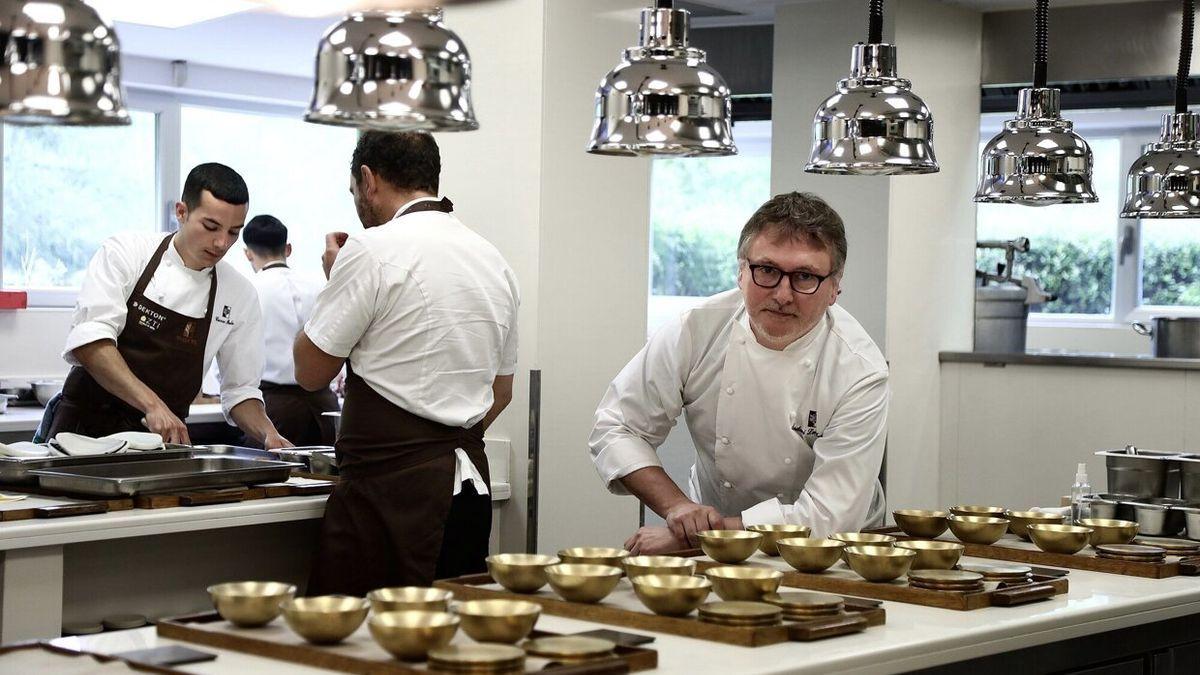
(425, 310)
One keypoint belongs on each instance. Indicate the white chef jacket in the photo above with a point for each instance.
(426, 311)
(791, 436)
(234, 334)
(287, 299)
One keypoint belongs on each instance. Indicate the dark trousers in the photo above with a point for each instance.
(468, 527)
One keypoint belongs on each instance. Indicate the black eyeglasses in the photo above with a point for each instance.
(805, 283)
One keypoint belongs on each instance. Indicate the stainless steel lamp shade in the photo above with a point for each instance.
(395, 71)
(61, 65)
(873, 124)
(1165, 181)
(1038, 159)
(663, 98)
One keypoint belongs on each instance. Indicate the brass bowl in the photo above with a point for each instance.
(981, 511)
(810, 555)
(520, 572)
(250, 603)
(409, 635)
(642, 565)
(1068, 539)
(933, 555)
(325, 619)
(1109, 531)
(593, 555)
(408, 599)
(880, 563)
(862, 539)
(1019, 520)
(744, 583)
(671, 594)
(729, 546)
(498, 620)
(773, 533)
(921, 522)
(978, 529)
(583, 583)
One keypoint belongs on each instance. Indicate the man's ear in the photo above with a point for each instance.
(181, 212)
(369, 182)
(249, 255)
(287, 251)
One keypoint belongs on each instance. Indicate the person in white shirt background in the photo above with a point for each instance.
(424, 311)
(784, 393)
(286, 297)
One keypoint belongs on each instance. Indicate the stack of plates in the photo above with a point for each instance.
(1132, 553)
(741, 613)
(478, 658)
(570, 649)
(806, 606)
(1006, 573)
(1179, 547)
(946, 580)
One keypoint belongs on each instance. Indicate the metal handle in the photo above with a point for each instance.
(1142, 329)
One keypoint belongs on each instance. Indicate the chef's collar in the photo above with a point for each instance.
(798, 346)
(418, 200)
(172, 256)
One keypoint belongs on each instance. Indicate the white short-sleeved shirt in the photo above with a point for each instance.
(287, 298)
(234, 335)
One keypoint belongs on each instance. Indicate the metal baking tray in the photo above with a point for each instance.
(17, 469)
(131, 478)
(297, 454)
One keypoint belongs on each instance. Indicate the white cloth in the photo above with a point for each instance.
(792, 436)
(287, 299)
(235, 331)
(426, 312)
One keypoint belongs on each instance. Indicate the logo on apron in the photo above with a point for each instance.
(809, 432)
(224, 317)
(148, 318)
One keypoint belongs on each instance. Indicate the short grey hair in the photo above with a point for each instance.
(800, 216)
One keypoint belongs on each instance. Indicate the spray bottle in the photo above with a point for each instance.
(1080, 507)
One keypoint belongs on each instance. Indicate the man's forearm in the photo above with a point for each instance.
(104, 363)
(251, 417)
(655, 489)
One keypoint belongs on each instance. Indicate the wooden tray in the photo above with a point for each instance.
(359, 653)
(622, 608)
(37, 505)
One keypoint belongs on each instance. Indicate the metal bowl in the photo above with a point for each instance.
(933, 555)
(1019, 520)
(583, 583)
(976, 510)
(47, 389)
(810, 555)
(520, 572)
(409, 598)
(1066, 539)
(326, 619)
(880, 563)
(863, 538)
(1160, 517)
(642, 565)
(671, 594)
(250, 603)
(593, 555)
(1108, 531)
(921, 522)
(773, 533)
(506, 621)
(744, 583)
(729, 546)
(978, 529)
(410, 635)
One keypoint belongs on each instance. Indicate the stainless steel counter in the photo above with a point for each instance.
(1063, 358)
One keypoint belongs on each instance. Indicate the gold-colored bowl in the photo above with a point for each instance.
(978, 529)
(325, 619)
(1068, 539)
(729, 546)
(520, 572)
(773, 533)
(933, 555)
(1018, 521)
(744, 583)
(410, 635)
(593, 555)
(880, 563)
(583, 583)
(506, 621)
(250, 603)
(862, 539)
(980, 511)
(409, 599)
(1109, 531)
(671, 594)
(810, 555)
(921, 522)
(643, 565)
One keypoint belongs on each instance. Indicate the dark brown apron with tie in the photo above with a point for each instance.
(163, 348)
(385, 521)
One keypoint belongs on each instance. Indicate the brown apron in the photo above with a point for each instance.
(163, 348)
(296, 412)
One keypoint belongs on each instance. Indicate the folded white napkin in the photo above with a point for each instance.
(78, 445)
(1056, 510)
(137, 440)
(24, 449)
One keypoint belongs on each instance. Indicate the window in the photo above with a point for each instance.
(1170, 262)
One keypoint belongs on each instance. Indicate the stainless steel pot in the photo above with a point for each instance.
(1160, 517)
(1192, 517)
(1189, 476)
(1140, 472)
(1112, 506)
(1172, 337)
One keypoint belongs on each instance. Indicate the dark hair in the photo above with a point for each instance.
(407, 160)
(223, 182)
(266, 236)
(800, 216)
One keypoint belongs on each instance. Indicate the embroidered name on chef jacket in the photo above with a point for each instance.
(224, 317)
(809, 432)
(148, 318)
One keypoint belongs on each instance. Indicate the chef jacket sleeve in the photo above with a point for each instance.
(838, 494)
(240, 358)
(100, 307)
(508, 354)
(345, 308)
(640, 407)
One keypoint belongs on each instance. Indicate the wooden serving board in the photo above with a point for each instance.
(622, 608)
(42, 506)
(359, 653)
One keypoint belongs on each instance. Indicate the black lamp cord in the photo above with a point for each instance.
(1185, 56)
(875, 27)
(1041, 43)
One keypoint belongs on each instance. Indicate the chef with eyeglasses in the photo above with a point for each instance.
(783, 391)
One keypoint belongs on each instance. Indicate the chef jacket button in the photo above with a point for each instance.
(729, 390)
(727, 484)
(808, 363)
(787, 460)
(741, 341)
(724, 440)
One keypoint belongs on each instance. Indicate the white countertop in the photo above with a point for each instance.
(24, 418)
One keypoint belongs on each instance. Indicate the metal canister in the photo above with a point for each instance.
(1001, 317)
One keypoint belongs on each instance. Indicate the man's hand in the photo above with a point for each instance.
(274, 441)
(160, 420)
(653, 540)
(688, 518)
(334, 241)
